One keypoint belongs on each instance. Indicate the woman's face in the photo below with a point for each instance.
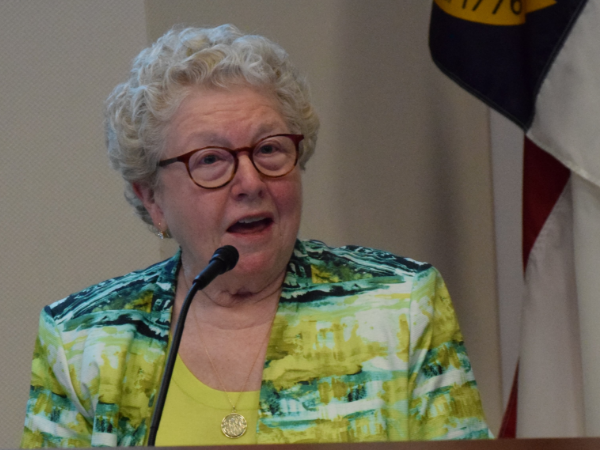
(259, 216)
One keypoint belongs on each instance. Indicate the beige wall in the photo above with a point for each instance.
(63, 221)
(402, 161)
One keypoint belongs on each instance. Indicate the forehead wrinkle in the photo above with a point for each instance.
(223, 124)
(210, 138)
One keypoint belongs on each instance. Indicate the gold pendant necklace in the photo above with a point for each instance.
(233, 425)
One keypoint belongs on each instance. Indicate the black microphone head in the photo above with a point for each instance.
(228, 255)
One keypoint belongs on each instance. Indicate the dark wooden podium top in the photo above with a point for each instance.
(500, 444)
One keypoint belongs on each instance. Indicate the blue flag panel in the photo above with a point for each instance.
(499, 50)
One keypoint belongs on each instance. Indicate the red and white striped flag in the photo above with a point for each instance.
(538, 63)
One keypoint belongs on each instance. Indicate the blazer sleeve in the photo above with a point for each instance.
(444, 399)
(54, 416)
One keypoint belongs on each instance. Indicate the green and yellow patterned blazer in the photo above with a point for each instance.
(365, 346)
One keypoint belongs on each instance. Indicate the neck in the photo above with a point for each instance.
(221, 306)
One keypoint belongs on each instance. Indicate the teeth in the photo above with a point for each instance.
(251, 220)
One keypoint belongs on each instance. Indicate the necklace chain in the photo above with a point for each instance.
(233, 425)
(214, 368)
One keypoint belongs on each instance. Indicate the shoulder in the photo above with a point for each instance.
(147, 289)
(351, 262)
(335, 275)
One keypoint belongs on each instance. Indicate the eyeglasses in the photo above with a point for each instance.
(213, 167)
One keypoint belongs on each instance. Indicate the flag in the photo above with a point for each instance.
(537, 62)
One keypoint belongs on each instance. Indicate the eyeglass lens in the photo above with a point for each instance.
(213, 167)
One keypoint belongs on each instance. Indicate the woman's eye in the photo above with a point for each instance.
(267, 149)
(208, 159)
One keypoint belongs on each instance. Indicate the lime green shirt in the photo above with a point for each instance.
(193, 412)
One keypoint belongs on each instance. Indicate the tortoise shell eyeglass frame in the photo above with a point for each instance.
(185, 158)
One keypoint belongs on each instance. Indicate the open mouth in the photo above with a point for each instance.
(250, 225)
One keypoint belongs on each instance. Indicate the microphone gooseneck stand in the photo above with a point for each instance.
(223, 260)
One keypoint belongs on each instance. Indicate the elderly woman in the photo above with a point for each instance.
(301, 342)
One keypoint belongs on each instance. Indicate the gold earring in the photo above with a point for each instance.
(162, 234)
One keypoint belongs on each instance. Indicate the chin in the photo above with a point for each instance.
(261, 263)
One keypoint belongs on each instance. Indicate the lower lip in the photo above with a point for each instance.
(253, 232)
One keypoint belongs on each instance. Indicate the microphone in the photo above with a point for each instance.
(223, 260)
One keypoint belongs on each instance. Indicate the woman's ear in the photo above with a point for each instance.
(147, 195)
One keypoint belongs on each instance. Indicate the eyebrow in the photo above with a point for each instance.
(217, 139)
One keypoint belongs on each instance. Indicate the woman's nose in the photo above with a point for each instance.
(247, 180)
